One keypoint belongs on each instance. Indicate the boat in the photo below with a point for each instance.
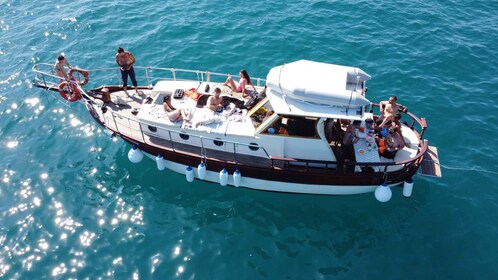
(285, 136)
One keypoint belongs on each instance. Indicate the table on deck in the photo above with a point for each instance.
(363, 154)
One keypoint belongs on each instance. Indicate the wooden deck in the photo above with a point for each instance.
(430, 165)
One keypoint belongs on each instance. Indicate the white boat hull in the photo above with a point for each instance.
(275, 186)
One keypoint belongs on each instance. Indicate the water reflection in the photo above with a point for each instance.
(62, 226)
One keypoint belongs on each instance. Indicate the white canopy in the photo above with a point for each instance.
(315, 88)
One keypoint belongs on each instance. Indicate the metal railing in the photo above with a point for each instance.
(112, 75)
(131, 127)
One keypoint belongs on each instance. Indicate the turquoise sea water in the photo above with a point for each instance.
(73, 206)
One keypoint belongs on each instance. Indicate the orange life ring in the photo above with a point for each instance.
(65, 89)
(82, 72)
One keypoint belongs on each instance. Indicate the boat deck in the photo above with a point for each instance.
(430, 164)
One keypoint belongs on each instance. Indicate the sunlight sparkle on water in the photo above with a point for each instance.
(75, 122)
(71, 19)
(37, 201)
(4, 268)
(32, 101)
(117, 261)
(12, 144)
(59, 270)
(176, 251)
(86, 238)
(44, 176)
(43, 245)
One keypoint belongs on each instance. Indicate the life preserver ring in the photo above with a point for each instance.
(65, 89)
(82, 72)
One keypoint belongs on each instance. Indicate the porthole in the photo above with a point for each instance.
(184, 136)
(152, 128)
(253, 146)
(218, 142)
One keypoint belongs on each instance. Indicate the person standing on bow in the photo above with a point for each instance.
(59, 66)
(125, 60)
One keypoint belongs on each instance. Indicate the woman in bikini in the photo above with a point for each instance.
(241, 86)
(59, 67)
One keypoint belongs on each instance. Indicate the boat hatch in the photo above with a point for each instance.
(430, 164)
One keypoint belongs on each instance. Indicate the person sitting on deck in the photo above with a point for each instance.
(393, 143)
(241, 86)
(175, 115)
(214, 101)
(390, 109)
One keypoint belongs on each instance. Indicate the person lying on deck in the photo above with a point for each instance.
(175, 115)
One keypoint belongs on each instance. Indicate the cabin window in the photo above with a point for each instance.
(184, 136)
(253, 146)
(218, 142)
(152, 128)
(293, 126)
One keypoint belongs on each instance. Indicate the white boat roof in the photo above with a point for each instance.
(309, 88)
(295, 107)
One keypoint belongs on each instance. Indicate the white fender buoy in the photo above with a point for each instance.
(135, 155)
(408, 187)
(161, 164)
(201, 170)
(236, 178)
(223, 177)
(383, 193)
(189, 174)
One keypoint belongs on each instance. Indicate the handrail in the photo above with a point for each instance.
(203, 152)
(422, 123)
(235, 144)
(148, 71)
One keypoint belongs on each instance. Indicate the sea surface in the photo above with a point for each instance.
(72, 206)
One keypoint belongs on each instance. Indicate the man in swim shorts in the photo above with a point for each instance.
(125, 60)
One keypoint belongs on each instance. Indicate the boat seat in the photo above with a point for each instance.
(403, 154)
(410, 136)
